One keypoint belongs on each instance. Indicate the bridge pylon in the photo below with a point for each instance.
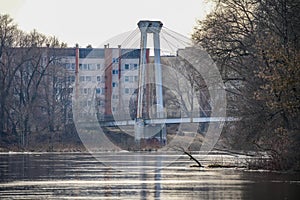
(141, 129)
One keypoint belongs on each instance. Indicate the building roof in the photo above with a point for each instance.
(131, 53)
(91, 53)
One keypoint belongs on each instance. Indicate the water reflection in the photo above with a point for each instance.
(80, 176)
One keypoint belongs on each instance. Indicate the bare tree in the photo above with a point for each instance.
(26, 64)
(255, 43)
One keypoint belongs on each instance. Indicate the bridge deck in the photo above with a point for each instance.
(171, 121)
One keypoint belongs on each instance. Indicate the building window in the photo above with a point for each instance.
(85, 91)
(98, 91)
(85, 66)
(126, 67)
(133, 66)
(100, 103)
(98, 66)
(126, 78)
(82, 78)
(115, 60)
(88, 78)
(115, 71)
(71, 79)
(68, 66)
(115, 96)
(131, 79)
(89, 102)
(98, 78)
(126, 90)
(135, 78)
(114, 84)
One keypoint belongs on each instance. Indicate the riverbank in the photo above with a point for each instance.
(42, 142)
(45, 148)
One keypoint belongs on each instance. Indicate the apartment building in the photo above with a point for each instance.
(108, 76)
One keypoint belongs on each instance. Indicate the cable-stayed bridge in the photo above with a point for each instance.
(177, 84)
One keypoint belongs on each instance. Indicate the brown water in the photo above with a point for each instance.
(81, 176)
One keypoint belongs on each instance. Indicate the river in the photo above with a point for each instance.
(82, 176)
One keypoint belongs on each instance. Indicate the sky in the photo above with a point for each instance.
(95, 21)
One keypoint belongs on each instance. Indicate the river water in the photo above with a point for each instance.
(82, 176)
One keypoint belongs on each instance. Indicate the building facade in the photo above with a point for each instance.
(108, 76)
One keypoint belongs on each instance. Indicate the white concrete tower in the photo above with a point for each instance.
(153, 27)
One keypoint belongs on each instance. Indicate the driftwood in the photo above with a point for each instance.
(234, 153)
(190, 156)
(194, 159)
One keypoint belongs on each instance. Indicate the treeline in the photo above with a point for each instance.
(35, 96)
(256, 44)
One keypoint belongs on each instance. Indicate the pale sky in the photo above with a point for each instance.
(95, 21)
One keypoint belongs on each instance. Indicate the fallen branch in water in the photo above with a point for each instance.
(234, 153)
(194, 159)
(190, 156)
